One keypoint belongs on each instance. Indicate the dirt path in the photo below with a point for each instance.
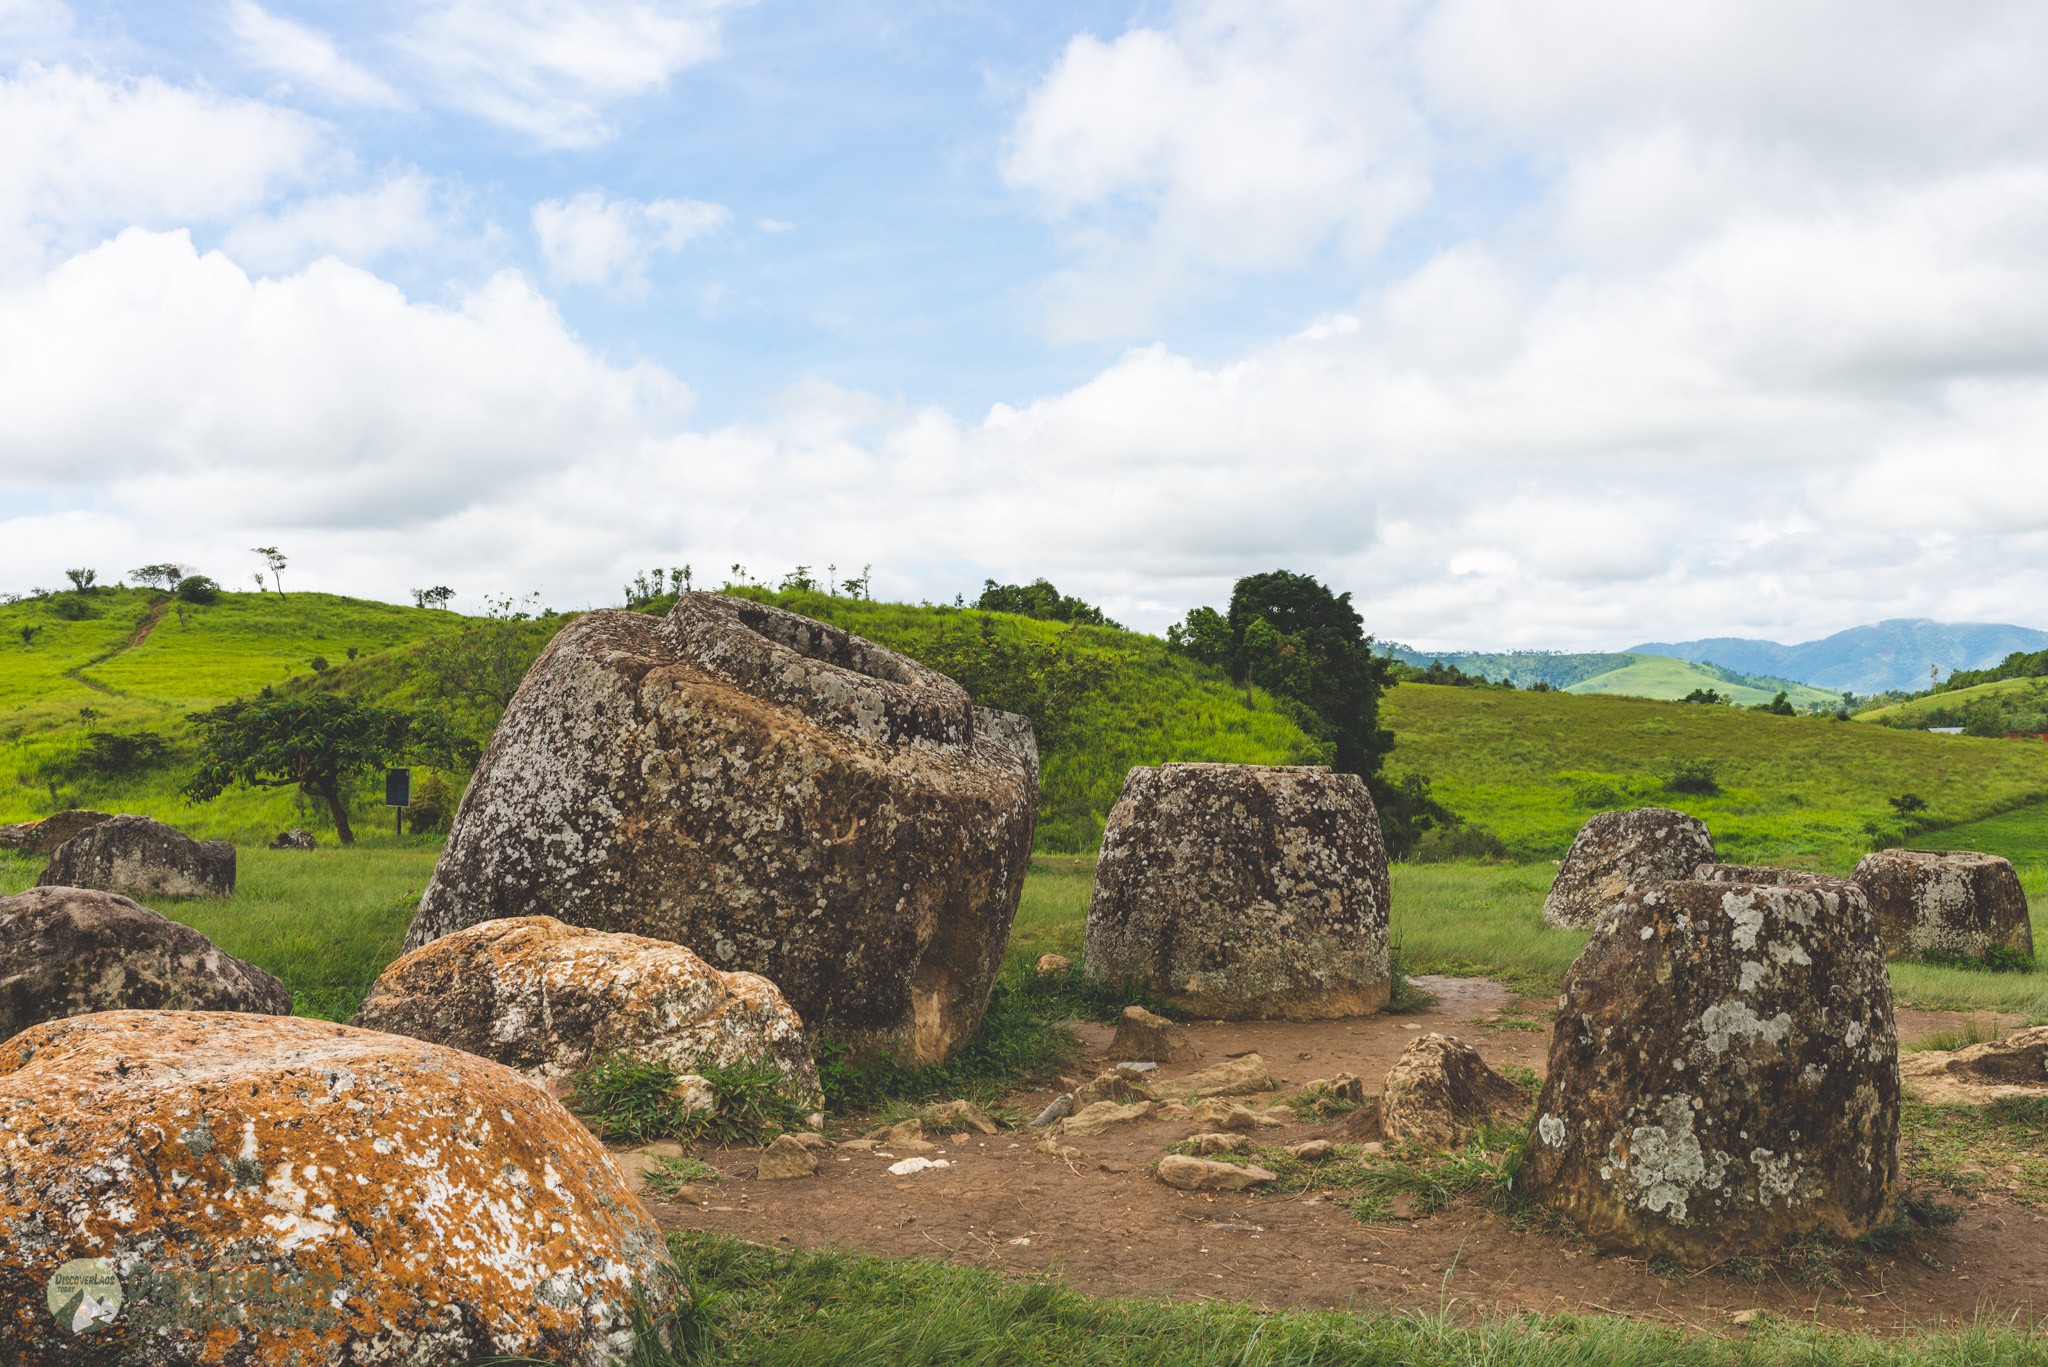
(1107, 1226)
(143, 627)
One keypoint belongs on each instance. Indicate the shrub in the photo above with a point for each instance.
(433, 806)
(71, 607)
(1443, 844)
(111, 754)
(635, 1100)
(197, 589)
(1696, 776)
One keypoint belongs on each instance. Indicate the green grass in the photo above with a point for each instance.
(1660, 676)
(1481, 920)
(834, 1309)
(1532, 767)
(2030, 694)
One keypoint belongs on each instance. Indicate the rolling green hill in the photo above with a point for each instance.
(1661, 677)
(2009, 700)
(1531, 767)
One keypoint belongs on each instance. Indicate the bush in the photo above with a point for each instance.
(1695, 776)
(433, 806)
(111, 755)
(197, 589)
(1443, 844)
(71, 607)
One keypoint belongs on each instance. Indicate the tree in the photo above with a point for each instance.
(198, 589)
(470, 675)
(164, 576)
(1046, 681)
(274, 558)
(82, 580)
(1906, 804)
(1204, 637)
(315, 744)
(436, 597)
(1041, 600)
(1778, 706)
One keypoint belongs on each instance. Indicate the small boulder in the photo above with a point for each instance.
(1058, 1108)
(1204, 1174)
(1723, 1076)
(1144, 1036)
(43, 837)
(1214, 1113)
(1243, 892)
(962, 1115)
(905, 1136)
(786, 1158)
(1103, 1114)
(1231, 1077)
(73, 951)
(268, 1190)
(1215, 1141)
(548, 998)
(138, 857)
(294, 839)
(1439, 1092)
(1110, 1086)
(1312, 1150)
(1053, 965)
(1955, 902)
(2014, 1066)
(1619, 853)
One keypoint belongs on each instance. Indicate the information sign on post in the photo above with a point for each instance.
(398, 796)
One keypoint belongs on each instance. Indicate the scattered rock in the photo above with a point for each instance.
(1232, 1077)
(1723, 1077)
(73, 951)
(137, 857)
(1215, 1142)
(43, 837)
(2014, 1066)
(1052, 965)
(785, 1158)
(920, 1164)
(1110, 1086)
(1060, 1106)
(1343, 1087)
(294, 839)
(1203, 1174)
(1440, 1091)
(1217, 1114)
(1312, 1150)
(402, 1200)
(1130, 1068)
(1742, 1319)
(1103, 1114)
(547, 998)
(963, 1115)
(859, 1145)
(1141, 1034)
(1619, 853)
(811, 1139)
(1945, 902)
(779, 795)
(1242, 891)
(1051, 1145)
(905, 1136)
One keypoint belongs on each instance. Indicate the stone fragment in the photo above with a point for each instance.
(272, 1191)
(962, 1115)
(1241, 891)
(73, 951)
(811, 1139)
(1231, 1077)
(1723, 1075)
(910, 1165)
(137, 857)
(1204, 1174)
(1144, 1035)
(1059, 1106)
(43, 837)
(1095, 1119)
(1215, 1113)
(2014, 1066)
(1954, 902)
(905, 1136)
(1110, 1086)
(1439, 1092)
(1312, 1150)
(785, 1158)
(1619, 853)
(780, 796)
(549, 998)
(294, 839)
(1052, 965)
(1218, 1142)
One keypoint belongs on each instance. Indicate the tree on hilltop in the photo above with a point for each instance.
(315, 744)
(164, 576)
(275, 559)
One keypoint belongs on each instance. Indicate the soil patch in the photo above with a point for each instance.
(1106, 1225)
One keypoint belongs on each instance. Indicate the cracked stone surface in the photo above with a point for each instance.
(1724, 1075)
(776, 795)
(1243, 891)
(138, 857)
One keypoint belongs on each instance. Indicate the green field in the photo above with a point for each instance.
(1666, 679)
(2010, 695)
(1531, 767)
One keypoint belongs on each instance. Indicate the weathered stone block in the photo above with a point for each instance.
(1439, 1092)
(1619, 853)
(138, 857)
(776, 794)
(1724, 1077)
(1955, 902)
(1241, 891)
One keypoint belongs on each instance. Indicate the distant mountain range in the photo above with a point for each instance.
(1632, 674)
(1872, 659)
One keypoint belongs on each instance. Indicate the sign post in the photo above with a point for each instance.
(398, 796)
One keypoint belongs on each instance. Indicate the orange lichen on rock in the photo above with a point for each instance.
(546, 998)
(253, 1190)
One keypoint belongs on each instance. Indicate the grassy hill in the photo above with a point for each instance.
(1531, 767)
(2012, 699)
(1661, 677)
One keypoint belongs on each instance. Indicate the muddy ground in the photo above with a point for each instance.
(1106, 1226)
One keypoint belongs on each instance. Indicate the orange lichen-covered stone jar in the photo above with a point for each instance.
(214, 1187)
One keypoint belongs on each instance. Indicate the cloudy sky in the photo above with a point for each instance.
(1531, 322)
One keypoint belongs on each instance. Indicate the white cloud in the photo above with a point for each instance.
(398, 216)
(84, 154)
(552, 69)
(607, 243)
(306, 57)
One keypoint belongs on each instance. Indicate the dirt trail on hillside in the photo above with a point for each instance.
(143, 627)
(1107, 1226)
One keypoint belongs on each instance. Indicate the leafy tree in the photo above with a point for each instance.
(82, 580)
(112, 754)
(197, 589)
(1041, 600)
(274, 559)
(855, 588)
(1204, 637)
(1906, 804)
(435, 597)
(1703, 695)
(1780, 706)
(468, 677)
(164, 576)
(1047, 681)
(316, 744)
(319, 663)
(798, 579)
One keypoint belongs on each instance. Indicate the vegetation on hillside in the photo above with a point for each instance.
(2000, 707)
(1633, 673)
